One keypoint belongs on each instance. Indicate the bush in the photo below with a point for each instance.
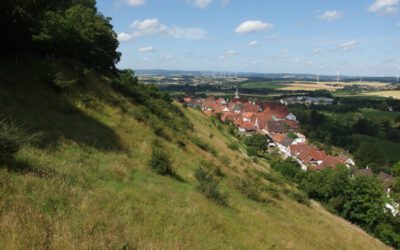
(160, 161)
(204, 145)
(209, 186)
(233, 146)
(300, 197)
(12, 138)
(225, 160)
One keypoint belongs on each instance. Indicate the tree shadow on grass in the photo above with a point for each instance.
(41, 110)
(24, 167)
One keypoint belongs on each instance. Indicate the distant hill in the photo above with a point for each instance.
(272, 76)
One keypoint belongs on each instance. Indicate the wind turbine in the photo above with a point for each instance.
(318, 77)
(337, 76)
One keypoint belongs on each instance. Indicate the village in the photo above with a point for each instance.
(272, 119)
(282, 132)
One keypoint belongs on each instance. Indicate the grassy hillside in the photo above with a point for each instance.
(84, 181)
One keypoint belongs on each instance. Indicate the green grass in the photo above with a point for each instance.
(378, 115)
(86, 184)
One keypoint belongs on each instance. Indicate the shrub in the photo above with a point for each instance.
(204, 145)
(209, 186)
(12, 138)
(251, 151)
(225, 160)
(233, 146)
(160, 161)
(300, 197)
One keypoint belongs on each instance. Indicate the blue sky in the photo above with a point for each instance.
(357, 37)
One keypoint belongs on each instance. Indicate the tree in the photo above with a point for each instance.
(364, 202)
(368, 154)
(257, 142)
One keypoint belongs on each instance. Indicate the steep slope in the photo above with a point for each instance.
(85, 182)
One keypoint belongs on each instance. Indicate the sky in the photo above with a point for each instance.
(356, 37)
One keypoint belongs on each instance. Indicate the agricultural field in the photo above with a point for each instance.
(264, 85)
(306, 86)
(393, 93)
(309, 86)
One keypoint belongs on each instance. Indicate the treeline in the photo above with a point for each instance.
(345, 105)
(360, 200)
(58, 29)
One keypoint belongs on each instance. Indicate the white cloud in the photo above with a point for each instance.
(148, 27)
(331, 15)
(253, 43)
(317, 50)
(153, 26)
(202, 4)
(147, 49)
(123, 37)
(384, 7)
(188, 33)
(252, 26)
(134, 3)
(349, 45)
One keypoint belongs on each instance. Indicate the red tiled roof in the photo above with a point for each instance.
(187, 99)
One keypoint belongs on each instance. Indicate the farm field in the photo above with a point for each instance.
(393, 93)
(309, 86)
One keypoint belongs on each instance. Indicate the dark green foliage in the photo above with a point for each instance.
(252, 151)
(257, 141)
(63, 29)
(256, 144)
(234, 146)
(288, 168)
(300, 197)
(366, 127)
(364, 202)
(203, 145)
(208, 184)
(160, 161)
(368, 154)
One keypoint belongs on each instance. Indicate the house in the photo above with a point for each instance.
(387, 180)
(275, 127)
(283, 142)
(291, 117)
(363, 172)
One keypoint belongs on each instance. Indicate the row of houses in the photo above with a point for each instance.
(307, 100)
(272, 119)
